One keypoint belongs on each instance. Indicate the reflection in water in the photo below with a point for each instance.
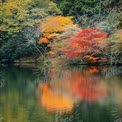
(71, 88)
(89, 88)
(53, 99)
(84, 91)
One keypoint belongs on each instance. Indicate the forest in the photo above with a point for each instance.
(60, 60)
(61, 31)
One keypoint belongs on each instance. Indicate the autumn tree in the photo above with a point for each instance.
(59, 44)
(54, 25)
(55, 30)
(86, 44)
(52, 28)
(16, 16)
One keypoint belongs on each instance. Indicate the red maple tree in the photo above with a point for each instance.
(87, 42)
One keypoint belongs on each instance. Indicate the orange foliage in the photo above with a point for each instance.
(46, 35)
(90, 58)
(95, 59)
(43, 40)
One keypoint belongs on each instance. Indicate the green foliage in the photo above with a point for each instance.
(88, 13)
(116, 6)
(15, 49)
(110, 23)
(17, 15)
(113, 4)
(74, 7)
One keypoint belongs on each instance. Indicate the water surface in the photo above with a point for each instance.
(73, 94)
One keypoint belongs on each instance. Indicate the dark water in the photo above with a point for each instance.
(80, 94)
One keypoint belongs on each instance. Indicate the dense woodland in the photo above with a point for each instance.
(63, 31)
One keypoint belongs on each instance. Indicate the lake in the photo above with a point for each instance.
(70, 94)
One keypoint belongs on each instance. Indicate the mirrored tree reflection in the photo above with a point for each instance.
(70, 87)
(88, 89)
(81, 93)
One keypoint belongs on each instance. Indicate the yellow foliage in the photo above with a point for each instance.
(56, 24)
(51, 52)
